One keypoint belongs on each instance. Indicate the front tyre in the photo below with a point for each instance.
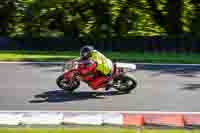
(67, 85)
(125, 83)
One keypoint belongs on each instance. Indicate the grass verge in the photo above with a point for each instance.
(119, 56)
(91, 130)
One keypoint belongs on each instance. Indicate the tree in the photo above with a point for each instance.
(122, 23)
(171, 19)
(196, 18)
(7, 10)
(99, 18)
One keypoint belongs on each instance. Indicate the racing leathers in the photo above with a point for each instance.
(100, 70)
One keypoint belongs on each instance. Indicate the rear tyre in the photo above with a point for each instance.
(67, 85)
(125, 83)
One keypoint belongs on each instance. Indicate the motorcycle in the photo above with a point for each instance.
(70, 78)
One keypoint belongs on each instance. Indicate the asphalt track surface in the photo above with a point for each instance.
(171, 88)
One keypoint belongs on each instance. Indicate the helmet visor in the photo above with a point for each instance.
(84, 54)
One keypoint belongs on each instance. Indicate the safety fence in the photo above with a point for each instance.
(138, 119)
(136, 44)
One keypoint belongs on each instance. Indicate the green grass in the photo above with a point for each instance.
(119, 56)
(91, 130)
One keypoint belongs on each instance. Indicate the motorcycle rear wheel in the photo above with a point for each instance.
(125, 83)
(66, 85)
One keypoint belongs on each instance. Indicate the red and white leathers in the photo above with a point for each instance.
(90, 73)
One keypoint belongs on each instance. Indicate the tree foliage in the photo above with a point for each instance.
(99, 18)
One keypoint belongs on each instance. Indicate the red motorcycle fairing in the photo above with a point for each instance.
(89, 75)
(99, 82)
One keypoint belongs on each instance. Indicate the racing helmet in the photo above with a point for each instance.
(85, 51)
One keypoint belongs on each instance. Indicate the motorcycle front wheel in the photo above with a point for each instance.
(125, 83)
(67, 85)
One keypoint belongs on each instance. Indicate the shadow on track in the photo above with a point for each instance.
(51, 67)
(178, 70)
(61, 96)
(191, 87)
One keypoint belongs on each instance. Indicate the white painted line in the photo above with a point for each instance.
(71, 111)
(157, 64)
(15, 62)
(43, 62)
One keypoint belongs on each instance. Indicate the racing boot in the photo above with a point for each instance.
(109, 85)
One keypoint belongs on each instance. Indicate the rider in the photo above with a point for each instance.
(102, 65)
